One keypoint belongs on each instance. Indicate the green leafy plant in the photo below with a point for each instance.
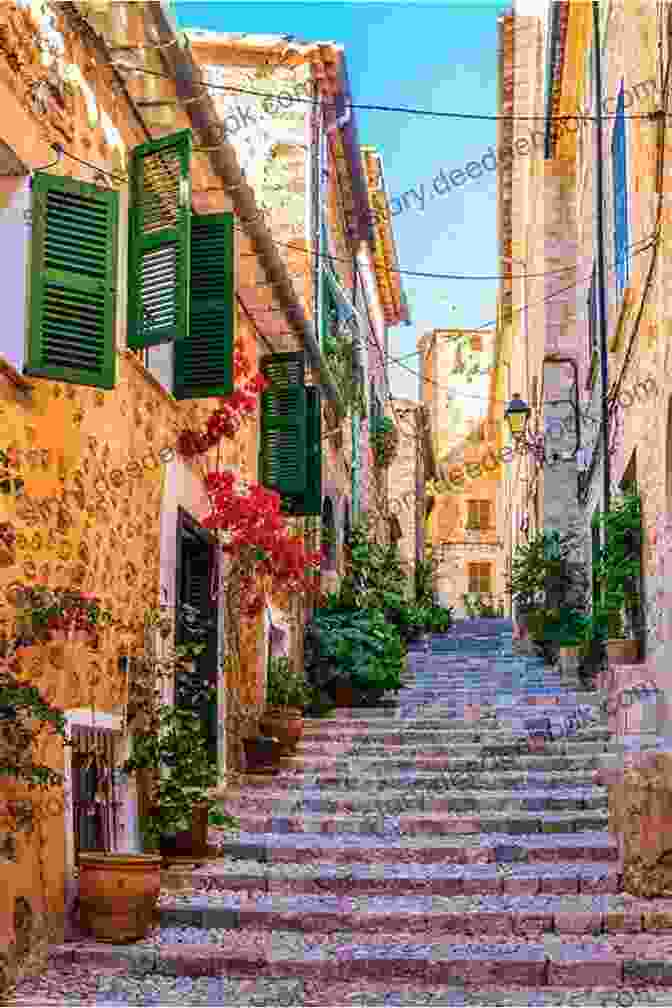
(286, 686)
(384, 442)
(362, 646)
(24, 716)
(478, 608)
(180, 748)
(42, 611)
(618, 567)
(424, 579)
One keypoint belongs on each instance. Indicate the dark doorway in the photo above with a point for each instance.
(196, 622)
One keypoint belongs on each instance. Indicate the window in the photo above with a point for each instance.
(620, 181)
(480, 578)
(181, 300)
(291, 435)
(478, 514)
(96, 799)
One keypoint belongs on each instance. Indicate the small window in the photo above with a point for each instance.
(478, 514)
(480, 578)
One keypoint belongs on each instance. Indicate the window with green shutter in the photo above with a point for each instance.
(204, 357)
(159, 241)
(73, 282)
(283, 455)
(310, 502)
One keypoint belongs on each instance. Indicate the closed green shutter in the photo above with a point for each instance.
(73, 282)
(159, 241)
(204, 358)
(283, 425)
(310, 503)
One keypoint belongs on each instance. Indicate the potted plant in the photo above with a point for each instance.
(287, 693)
(262, 753)
(183, 778)
(618, 569)
(621, 650)
(118, 891)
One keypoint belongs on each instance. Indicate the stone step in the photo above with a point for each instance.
(412, 780)
(425, 824)
(343, 956)
(430, 914)
(511, 746)
(413, 993)
(361, 766)
(446, 736)
(395, 802)
(440, 878)
(349, 848)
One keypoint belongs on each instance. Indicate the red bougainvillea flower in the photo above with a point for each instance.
(275, 558)
(233, 410)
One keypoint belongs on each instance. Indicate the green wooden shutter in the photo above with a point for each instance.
(310, 503)
(204, 359)
(159, 241)
(283, 425)
(73, 282)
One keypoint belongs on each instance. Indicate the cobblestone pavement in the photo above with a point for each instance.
(451, 850)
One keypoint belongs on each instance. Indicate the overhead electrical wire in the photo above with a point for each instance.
(120, 64)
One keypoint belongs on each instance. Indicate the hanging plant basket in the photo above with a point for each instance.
(384, 442)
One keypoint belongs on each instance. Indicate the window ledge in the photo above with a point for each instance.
(149, 377)
(15, 377)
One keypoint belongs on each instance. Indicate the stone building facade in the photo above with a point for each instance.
(548, 217)
(95, 495)
(459, 383)
(408, 476)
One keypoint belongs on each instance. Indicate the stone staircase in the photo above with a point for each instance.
(451, 850)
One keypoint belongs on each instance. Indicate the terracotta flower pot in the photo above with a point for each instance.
(118, 895)
(191, 843)
(285, 724)
(621, 651)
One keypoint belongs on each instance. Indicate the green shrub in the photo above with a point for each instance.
(362, 646)
(285, 687)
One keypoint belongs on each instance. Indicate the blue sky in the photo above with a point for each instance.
(436, 56)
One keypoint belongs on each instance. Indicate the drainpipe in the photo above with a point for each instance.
(601, 272)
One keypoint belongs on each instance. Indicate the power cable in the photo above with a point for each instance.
(382, 108)
(439, 276)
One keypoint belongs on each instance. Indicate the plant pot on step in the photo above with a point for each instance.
(262, 754)
(118, 894)
(622, 651)
(285, 724)
(191, 843)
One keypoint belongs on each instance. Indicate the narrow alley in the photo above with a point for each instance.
(451, 849)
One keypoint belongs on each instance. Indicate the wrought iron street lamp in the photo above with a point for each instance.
(517, 415)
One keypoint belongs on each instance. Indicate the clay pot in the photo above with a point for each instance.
(118, 895)
(285, 724)
(347, 695)
(622, 652)
(192, 843)
(262, 753)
